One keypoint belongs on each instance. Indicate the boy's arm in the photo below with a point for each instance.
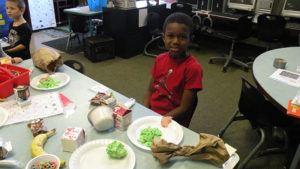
(148, 94)
(16, 48)
(188, 97)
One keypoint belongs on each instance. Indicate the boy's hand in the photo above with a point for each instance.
(165, 121)
(16, 60)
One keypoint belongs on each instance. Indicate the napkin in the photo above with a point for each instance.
(210, 148)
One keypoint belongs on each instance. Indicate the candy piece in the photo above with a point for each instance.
(45, 165)
(72, 138)
(106, 98)
(37, 127)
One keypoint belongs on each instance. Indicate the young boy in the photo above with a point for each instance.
(176, 75)
(19, 31)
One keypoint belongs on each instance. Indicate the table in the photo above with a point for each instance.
(83, 11)
(4, 45)
(278, 93)
(78, 91)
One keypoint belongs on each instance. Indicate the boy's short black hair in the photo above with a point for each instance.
(181, 18)
(21, 3)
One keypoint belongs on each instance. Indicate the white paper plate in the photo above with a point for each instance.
(92, 155)
(3, 116)
(173, 133)
(61, 77)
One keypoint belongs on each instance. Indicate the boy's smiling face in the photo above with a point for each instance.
(13, 11)
(176, 39)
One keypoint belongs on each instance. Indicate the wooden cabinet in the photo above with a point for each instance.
(59, 6)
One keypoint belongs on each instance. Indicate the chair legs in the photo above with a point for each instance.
(254, 150)
(229, 58)
(146, 48)
(277, 135)
(69, 42)
(234, 117)
(222, 131)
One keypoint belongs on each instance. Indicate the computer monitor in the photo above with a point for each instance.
(246, 5)
(291, 8)
(264, 6)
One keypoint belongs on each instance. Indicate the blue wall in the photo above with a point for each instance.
(4, 20)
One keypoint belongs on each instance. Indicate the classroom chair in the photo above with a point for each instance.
(78, 25)
(186, 120)
(264, 118)
(242, 31)
(270, 29)
(156, 45)
(76, 65)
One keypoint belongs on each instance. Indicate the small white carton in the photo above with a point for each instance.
(72, 138)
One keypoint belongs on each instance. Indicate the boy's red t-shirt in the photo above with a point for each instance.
(171, 78)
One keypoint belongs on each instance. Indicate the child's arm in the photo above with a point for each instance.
(148, 94)
(186, 104)
(16, 48)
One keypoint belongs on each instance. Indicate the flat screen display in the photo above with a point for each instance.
(247, 5)
(246, 2)
(293, 5)
(291, 8)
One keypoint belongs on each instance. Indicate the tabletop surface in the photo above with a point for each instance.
(84, 10)
(263, 68)
(78, 91)
(4, 44)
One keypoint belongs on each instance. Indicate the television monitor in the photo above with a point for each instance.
(264, 6)
(291, 8)
(204, 5)
(246, 5)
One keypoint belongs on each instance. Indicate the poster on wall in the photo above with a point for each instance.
(42, 14)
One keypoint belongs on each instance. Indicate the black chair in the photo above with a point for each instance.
(296, 160)
(156, 45)
(263, 117)
(243, 30)
(76, 65)
(182, 7)
(78, 25)
(186, 120)
(270, 29)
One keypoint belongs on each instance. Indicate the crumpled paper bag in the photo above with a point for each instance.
(210, 148)
(47, 59)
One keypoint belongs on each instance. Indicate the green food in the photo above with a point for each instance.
(148, 134)
(48, 83)
(116, 150)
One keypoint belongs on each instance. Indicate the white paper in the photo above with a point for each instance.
(287, 77)
(42, 14)
(143, 17)
(99, 88)
(41, 106)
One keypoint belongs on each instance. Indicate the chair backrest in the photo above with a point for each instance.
(76, 65)
(244, 26)
(270, 27)
(256, 108)
(153, 23)
(79, 24)
(187, 119)
(182, 7)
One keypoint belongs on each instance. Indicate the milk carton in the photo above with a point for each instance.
(122, 117)
(72, 138)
